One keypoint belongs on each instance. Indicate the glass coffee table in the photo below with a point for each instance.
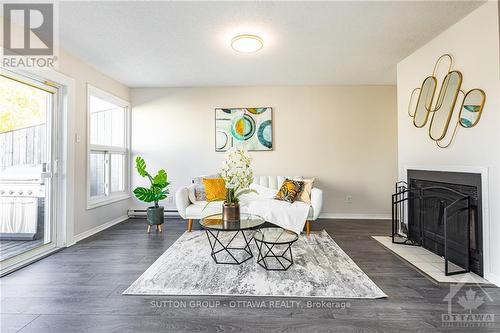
(225, 245)
(275, 248)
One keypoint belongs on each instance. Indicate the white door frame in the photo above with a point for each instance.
(63, 217)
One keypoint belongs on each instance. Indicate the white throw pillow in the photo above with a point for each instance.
(191, 193)
(305, 194)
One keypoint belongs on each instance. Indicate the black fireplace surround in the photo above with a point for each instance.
(457, 195)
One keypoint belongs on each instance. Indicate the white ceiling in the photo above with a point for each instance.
(159, 44)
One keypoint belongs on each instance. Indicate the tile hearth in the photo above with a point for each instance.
(428, 263)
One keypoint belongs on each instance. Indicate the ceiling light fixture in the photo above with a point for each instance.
(247, 43)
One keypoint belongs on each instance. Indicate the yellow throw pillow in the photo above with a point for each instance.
(289, 190)
(305, 194)
(215, 188)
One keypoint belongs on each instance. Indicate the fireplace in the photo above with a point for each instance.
(438, 210)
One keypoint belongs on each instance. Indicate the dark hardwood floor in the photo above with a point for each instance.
(79, 290)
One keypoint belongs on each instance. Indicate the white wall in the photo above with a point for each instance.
(343, 135)
(71, 66)
(86, 221)
(474, 43)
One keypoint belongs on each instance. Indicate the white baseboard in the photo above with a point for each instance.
(99, 228)
(355, 216)
(173, 212)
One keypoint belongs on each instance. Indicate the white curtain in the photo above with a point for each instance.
(18, 215)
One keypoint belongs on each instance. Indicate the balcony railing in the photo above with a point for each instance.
(22, 146)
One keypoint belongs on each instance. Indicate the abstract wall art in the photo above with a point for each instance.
(248, 128)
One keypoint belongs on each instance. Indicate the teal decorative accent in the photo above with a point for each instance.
(466, 122)
(265, 134)
(472, 108)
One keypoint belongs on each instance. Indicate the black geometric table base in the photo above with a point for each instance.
(267, 255)
(217, 246)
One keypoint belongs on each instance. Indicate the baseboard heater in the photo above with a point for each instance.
(141, 213)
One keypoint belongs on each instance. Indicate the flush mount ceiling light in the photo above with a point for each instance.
(247, 43)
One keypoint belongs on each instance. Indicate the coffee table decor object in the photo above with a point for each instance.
(275, 248)
(228, 242)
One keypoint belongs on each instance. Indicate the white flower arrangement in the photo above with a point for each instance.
(237, 174)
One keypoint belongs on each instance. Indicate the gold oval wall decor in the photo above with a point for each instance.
(410, 105)
(447, 99)
(442, 109)
(441, 60)
(424, 102)
(450, 135)
(472, 108)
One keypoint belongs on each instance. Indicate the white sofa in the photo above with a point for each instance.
(191, 209)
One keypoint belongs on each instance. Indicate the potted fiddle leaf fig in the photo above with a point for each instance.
(157, 191)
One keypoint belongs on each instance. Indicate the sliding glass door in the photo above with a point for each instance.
(27, 166)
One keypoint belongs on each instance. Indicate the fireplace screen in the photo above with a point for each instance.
(440, 217)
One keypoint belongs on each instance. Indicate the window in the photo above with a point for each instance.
(108, 148)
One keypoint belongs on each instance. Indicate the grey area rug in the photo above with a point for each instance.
(321, 269)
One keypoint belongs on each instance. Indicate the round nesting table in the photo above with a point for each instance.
(223, 245)
(275, 248)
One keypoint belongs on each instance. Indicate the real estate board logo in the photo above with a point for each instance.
(468, 313)
(28, 35)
